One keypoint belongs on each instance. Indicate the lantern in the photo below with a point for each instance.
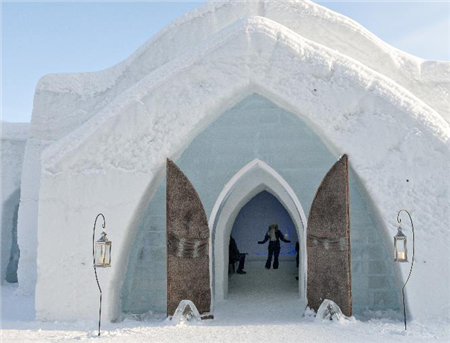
(400, 246)
(101, 256)
(401, 252)
(102, 251)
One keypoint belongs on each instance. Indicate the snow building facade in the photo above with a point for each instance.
(254, 101)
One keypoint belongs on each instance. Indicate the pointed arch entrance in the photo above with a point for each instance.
(188, 234)
(255, 177)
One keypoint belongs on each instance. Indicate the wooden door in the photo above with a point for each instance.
(188, 274)
(328, 241)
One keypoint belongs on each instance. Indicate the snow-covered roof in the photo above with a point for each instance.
(253, 43)
(428, 80)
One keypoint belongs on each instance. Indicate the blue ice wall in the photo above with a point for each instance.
(257, 128)
(253, 221)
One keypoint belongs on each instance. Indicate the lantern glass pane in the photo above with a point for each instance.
(401, 254)
(401, 246)
(107, 255)
(99, 254)
(402, 250)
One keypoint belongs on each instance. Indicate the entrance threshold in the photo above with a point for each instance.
(262, 296)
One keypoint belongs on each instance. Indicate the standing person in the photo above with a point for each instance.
(234, 256)
(274, 235)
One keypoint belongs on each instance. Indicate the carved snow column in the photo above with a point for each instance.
(328, 242)
(187, 244)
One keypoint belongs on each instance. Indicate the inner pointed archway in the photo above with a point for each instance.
(261, 285)
(254, 178)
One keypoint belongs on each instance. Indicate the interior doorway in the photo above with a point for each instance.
(251, 226)
(257, 180)
(260, 288)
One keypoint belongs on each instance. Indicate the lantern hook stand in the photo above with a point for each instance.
(412, 261)
(95, 269)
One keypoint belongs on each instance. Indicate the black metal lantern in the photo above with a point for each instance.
(400, 246)
(101, 257)
(401, 253)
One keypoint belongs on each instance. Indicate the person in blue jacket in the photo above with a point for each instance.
(274, 236)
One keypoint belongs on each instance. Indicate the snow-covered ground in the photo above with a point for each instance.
(261, 308)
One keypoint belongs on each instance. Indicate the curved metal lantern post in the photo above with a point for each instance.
(101, 257)
(401, 253)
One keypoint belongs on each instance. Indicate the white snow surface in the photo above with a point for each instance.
(260, 309)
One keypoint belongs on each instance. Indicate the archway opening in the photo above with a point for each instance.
(251, 225)
(258, 185)
(215, 162)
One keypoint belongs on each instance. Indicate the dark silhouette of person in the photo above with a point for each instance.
(235, 256)
(274, 236)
